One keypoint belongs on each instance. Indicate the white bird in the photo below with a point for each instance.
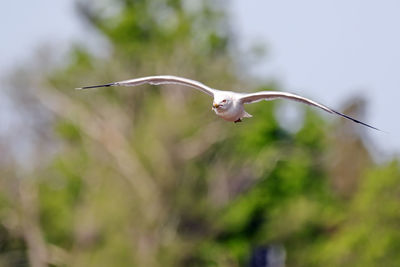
(226, 104)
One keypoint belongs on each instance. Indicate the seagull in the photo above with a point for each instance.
(228, 105)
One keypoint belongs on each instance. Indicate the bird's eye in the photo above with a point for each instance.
(224, 101)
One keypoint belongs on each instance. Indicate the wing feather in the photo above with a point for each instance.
(157, 80)
(272, 95)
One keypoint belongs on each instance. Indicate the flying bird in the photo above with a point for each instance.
(226, 104)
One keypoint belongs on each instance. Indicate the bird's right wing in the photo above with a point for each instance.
(271, 95)
(157, 80)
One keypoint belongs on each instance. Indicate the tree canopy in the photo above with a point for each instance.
(142, 177)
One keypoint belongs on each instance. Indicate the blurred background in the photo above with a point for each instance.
(151, 177)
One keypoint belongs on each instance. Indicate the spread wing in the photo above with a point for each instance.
(156, 80)
(272, 95)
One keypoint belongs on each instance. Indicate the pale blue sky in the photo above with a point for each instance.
(332, 50)
(26, 26)
(328, 50)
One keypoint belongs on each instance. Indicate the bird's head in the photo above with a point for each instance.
(222, 102)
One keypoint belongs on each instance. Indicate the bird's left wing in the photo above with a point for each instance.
(156, 80)
(272, 95)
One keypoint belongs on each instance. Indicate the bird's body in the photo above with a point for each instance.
(226, 104)
(230, 110)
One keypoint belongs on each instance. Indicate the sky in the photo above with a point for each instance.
(27, 26)
(330, 50)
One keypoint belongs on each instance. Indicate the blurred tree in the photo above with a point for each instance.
(350, 156)
(146, 177)
(369, 235)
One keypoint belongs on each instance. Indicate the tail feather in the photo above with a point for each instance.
(246, 115)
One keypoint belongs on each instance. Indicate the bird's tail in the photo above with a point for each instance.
(246, 115)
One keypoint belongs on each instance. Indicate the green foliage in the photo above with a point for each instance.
(369, 236)
(145, 178)
(68, 131)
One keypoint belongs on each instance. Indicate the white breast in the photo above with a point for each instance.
(234, 113)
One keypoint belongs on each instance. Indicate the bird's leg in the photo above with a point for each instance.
(238, 120)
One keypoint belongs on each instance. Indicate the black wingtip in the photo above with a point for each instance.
(357, 121)
(95, 86)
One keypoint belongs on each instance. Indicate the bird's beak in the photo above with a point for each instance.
(215, 105)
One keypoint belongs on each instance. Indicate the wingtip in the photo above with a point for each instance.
(382, 131)
(95, 86)
(357, 121)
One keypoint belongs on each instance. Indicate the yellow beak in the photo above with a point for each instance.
(215, 105)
